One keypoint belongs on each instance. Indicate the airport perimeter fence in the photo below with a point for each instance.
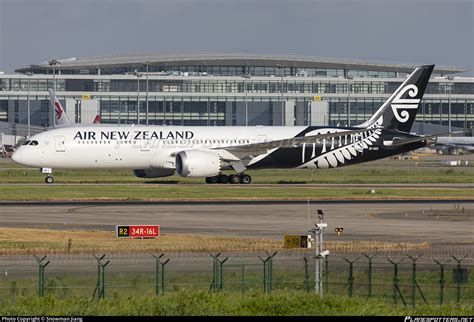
(400, 278)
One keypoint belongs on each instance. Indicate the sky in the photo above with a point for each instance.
(406, 31)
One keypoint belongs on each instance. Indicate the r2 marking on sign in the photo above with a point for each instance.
(138, 231)
(122, 232)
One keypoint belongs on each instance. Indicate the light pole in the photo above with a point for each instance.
(146, 64)
(245, 76)
(54, 62)
(318, 231)
(349, 89)
(29, 74)
(281, 67)
(449, 78)
(138, 95)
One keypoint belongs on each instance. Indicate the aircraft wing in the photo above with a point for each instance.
(255, 149)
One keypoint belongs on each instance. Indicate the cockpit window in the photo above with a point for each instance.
(31, 142)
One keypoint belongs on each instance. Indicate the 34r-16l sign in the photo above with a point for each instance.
(138, 231)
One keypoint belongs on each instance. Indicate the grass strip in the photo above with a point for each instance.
(19, 241)
(115, 192)
(190, 303)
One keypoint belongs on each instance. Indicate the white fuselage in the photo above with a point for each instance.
(136, 147)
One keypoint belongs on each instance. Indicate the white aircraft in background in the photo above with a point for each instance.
(160, 151)
(454, 144)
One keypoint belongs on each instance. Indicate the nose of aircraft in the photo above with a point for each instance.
(17, 157)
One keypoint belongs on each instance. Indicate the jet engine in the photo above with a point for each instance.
(198, 164)
(153, 173)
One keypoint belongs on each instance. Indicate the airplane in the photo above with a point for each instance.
(204, 152)
(454, 145)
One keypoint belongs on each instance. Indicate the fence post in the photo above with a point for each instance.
(369, 293)
(306, 274)
(41, 267)
(100, 286)
(351, 276)
(413, 281)
(441, 281)
(267, 271)
(218, 278)
(396, 288)
(221, 273)
(160, 274)
(326, 271)
(458, 291)
(214, 271)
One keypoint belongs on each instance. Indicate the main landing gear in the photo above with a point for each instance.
(233, 179)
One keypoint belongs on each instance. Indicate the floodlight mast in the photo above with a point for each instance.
(319, 253)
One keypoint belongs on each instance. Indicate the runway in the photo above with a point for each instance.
(395, 221)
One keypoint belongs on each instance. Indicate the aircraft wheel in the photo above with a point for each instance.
(234, 179)
(224, 179)
(49, 179)
(245, 179)
(212, 180)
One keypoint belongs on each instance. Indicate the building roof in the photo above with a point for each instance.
(167, 59)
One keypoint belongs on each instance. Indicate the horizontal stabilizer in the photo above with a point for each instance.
(421, 138)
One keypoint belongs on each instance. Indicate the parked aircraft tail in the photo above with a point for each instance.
(398, 112)
(97, 119)
(60, 117)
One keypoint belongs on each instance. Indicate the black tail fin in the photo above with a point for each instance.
(398, 112)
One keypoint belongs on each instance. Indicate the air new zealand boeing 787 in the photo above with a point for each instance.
(160, 151)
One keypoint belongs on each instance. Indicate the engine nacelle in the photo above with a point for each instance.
(198, 164)
(153, 173)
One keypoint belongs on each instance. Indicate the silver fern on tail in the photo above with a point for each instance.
(353, 145)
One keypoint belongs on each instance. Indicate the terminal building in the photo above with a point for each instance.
(228, 90)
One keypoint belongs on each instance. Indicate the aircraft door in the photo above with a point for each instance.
(60, 143)
(145, 145)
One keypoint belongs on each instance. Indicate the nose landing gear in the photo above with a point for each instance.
(49, 179)
(49, 172)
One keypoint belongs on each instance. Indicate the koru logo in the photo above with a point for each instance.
(405, 104)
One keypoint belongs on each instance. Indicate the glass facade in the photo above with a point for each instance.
(225, 70)
(210, 94)
(229, 85)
